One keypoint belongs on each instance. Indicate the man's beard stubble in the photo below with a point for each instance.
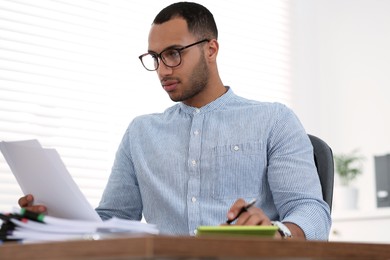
(198, 81)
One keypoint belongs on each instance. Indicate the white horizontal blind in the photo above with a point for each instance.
(70, 76)
(254, 56)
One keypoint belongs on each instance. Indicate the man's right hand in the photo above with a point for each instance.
(27, 202)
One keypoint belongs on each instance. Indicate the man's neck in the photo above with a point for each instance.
(213, 91)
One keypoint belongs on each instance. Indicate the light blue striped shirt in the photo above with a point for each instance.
(185, 167)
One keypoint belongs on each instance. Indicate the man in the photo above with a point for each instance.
(213, 150)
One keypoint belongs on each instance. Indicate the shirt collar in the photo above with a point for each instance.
(219, 102)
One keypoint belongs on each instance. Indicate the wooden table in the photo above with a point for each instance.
(163, 247)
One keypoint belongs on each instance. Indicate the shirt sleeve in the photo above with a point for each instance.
(121, 197)
(293, 177)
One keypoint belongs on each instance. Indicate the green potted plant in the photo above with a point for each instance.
(348, 166)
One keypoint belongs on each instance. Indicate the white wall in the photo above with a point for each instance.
(341, 78)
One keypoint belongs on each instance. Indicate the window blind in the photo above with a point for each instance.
(70, 76)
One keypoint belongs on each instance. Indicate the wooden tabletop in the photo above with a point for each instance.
(157, 247)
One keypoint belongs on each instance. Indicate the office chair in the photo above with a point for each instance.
(323, 158)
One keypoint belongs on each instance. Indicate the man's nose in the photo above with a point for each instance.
(163, 69)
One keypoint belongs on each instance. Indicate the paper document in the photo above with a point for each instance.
(41, 172)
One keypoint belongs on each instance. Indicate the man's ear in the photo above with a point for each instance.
(213, 48)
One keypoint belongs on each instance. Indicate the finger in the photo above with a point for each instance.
(243, 218)
(26, 201)
(37, 208)
(257, 220)
(254, 216)
(235, 209)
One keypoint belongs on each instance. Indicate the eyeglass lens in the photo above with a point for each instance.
(170, 57)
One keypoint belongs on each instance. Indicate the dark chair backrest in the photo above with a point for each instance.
(323, 158)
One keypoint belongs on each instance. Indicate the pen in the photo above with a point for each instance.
(243, 209)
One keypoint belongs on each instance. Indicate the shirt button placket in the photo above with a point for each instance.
(194, 170)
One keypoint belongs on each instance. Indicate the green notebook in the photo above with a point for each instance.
(260, 231)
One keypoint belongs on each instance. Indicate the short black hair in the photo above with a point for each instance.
(200, 20)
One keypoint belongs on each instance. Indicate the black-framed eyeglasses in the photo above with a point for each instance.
(171, 57)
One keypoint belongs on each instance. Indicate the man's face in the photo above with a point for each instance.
(184, 82)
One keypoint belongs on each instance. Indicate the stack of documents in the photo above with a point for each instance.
(34, 227)
(41, 172)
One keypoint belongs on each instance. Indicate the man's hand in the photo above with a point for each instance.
(252, 216)
(255, 216)
(27, 202)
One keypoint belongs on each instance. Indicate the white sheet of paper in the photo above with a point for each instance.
(41, 172)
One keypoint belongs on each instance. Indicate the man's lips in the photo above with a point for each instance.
(169, 85)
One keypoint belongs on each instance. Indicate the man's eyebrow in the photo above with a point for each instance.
(175, 46)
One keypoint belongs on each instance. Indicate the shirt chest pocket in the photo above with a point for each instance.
(238, 170)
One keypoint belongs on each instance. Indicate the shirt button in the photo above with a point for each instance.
(196, 132)
(193, 162)
(236, 148)
(193, 199)
(197, 111)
